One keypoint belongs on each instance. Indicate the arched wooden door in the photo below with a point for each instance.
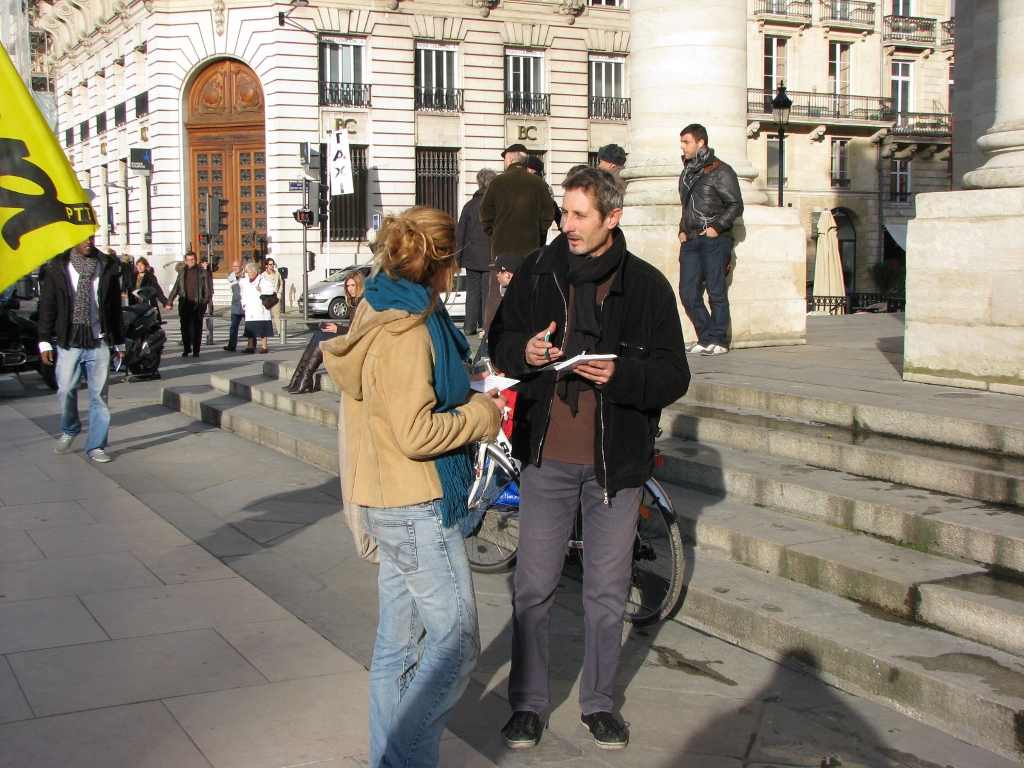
(228, 159)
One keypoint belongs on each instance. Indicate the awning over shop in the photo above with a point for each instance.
(898, 232)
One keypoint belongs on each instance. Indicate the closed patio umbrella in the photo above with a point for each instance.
(828, 268)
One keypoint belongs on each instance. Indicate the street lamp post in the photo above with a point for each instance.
(780, 111)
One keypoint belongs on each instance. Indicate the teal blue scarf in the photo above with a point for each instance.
(451, 382)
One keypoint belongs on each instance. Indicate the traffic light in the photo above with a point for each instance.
(304, 216)
(204, 239)
(323, 201)
(217, 216)
(310, 261)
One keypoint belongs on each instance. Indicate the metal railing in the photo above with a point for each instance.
(344, 94)
(833, 305)
(948, 34)
(838, 183)
(847, 13)
(609, 108)
(923, 124)
(823, 106)
(856, 302)
(439, 99)
(910, 29)
(527, 103)
(793, 10)
(772, 182)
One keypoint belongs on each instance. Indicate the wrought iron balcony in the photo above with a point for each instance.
(527, 103)
(792, 11)
(439, 99)
(344, 95)
(838, 183)
(934, 124)
(847, 13)
(948, 32)
(914, 30)
(818, 107)
(609, 108)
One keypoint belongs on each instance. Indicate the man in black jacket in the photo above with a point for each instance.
(193, 289)
(585, 435)
(80, 312)
(475, 255)
(710, 194)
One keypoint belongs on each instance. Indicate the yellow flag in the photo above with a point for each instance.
(43, 210)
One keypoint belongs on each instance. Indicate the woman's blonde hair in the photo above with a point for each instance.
(419, 246)
(360, 281)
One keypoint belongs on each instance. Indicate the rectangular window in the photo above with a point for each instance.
(592, 159)
(435, 78)
(121, 114)
(840, 163)
(609, 3)
(69, 137)
(83, 130)
(774, 63)
(142, 104)
(772, 176)
(608, 99)
(341, 73)
(437, 179)
(839, 68)
(348, 212)
(101, 123)
(524, 83)
(900, 181)
(901, 8)
(902, 80)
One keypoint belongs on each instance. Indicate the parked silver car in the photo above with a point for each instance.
(328, 297)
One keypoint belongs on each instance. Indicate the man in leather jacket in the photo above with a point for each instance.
(193, 289)
(710, 195)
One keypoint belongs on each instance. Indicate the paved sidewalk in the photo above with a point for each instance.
(197, 602)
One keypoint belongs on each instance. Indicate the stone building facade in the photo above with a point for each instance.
(430, 91)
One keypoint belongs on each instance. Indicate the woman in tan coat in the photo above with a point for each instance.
(408, 419)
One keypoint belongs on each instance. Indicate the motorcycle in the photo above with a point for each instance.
(144, 339)
(19, 342)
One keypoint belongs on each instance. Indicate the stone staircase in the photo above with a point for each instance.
(880, 549)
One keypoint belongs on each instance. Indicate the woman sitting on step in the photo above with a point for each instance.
(312, 357)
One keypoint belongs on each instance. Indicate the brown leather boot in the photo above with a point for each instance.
(300, 369)
(306, 385)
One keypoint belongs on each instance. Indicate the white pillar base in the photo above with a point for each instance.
(965, 280)
(767, 286)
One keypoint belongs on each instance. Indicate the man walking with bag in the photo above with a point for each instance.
(710, 194)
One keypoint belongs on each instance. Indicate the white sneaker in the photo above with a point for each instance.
(64, 443)
(714, 349)
(99, 456)
(695, 348)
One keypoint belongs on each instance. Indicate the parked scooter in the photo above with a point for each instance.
(19, 342)
(144, 339)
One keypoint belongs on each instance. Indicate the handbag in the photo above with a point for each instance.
(269, 300)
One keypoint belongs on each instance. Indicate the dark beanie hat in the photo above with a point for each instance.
(613, 154)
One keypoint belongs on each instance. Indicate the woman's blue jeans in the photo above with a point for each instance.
(428, 638)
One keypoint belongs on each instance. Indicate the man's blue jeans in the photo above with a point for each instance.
(703, 260)
(428, 638)
(71, 364)
(236, 320)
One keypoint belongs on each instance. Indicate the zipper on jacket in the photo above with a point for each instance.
(604, 454)
(551, 402)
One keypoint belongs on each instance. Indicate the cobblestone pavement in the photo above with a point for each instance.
(198, 602)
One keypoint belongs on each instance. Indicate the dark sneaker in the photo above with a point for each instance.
(608, 732)
(522, 731)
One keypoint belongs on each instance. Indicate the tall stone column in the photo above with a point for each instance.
(688, 64)
(965, 271)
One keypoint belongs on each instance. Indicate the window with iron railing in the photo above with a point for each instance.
(789, 10)
(607, 88)
(910, 29)
(524, 83)
(948, 32)
(901, 85)
(435, 78)
(69, 137)
(840, 163)
(101, 123)
(120, 114)
(847, 13)
(809, 105)
(772, 164)
(774, 62)
(341, 73)
(142, 104)
(839, 68)
(900, 178)
(83, 130)
(348, 213)
(608, 3)
(437, 179)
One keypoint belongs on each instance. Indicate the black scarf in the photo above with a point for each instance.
(705, 156)
(81, 328)
(585, 327)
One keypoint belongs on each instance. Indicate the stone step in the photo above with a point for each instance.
(284, 371)
(321, 408)
(311, 443)
(927, 520)
(987, 477)
(828, 405)
(962, 687)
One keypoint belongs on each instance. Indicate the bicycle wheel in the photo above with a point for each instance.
(492, 545)
(656, 585)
